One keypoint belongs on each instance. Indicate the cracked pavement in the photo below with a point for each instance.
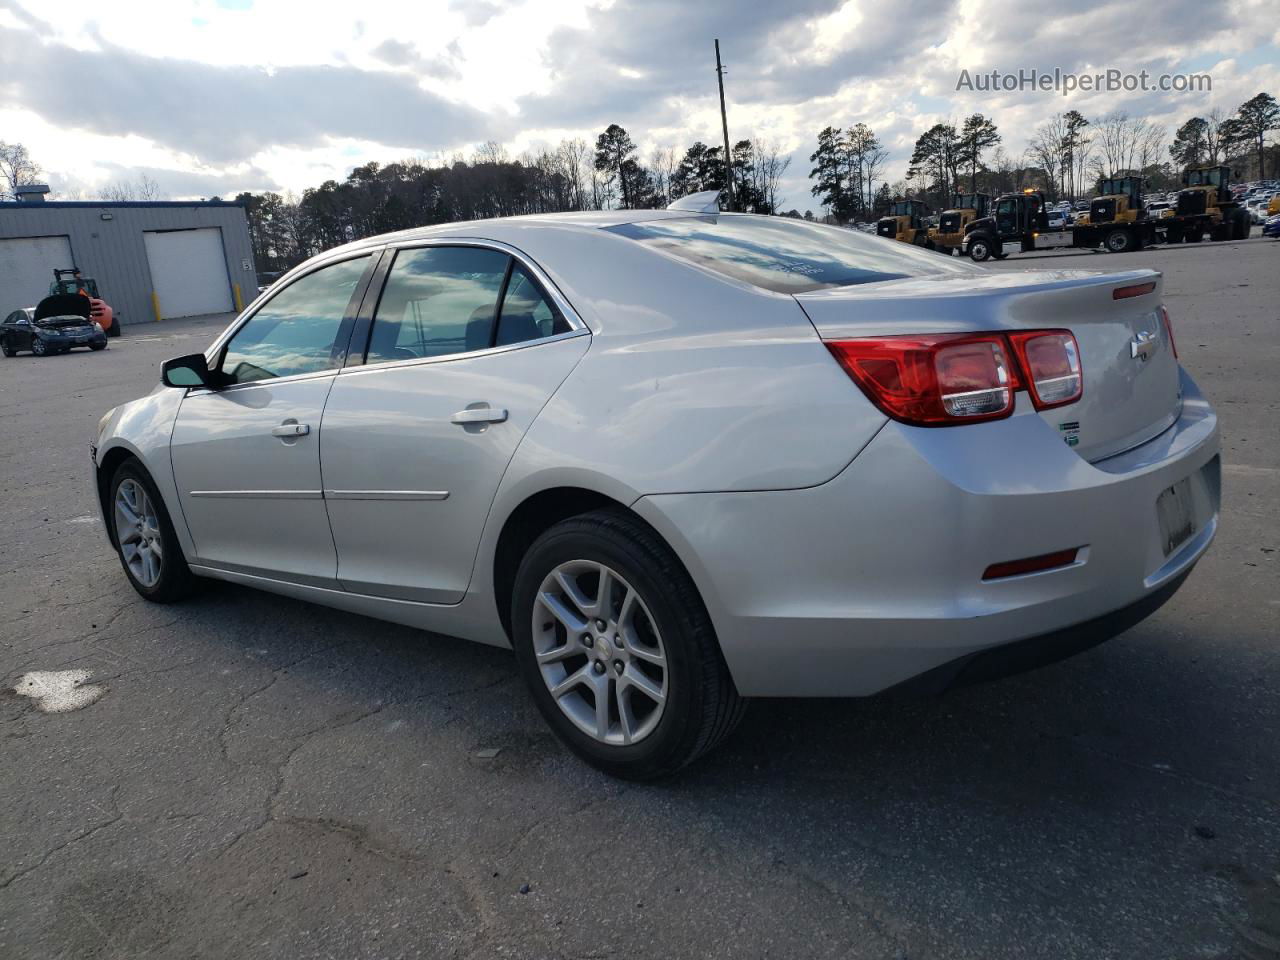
(264, 778)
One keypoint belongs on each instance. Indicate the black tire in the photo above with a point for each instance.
(1118, 241)
(40, 349)
(97, 346)
(1244, 225)
(702, 705)
(115, 329)
(979, 249)
(1001, 256)
(6, 349)
(176, 580)
(1194, 235)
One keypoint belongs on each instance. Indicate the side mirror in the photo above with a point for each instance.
(189, 371)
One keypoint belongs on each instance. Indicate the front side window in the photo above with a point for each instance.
(296, 331)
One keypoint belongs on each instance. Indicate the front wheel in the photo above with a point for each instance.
(1119, 241)
(617, 648)
(39, 348)
(979, 250)
(143, 533)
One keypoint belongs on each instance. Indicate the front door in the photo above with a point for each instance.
(246, 455)
(465, 349)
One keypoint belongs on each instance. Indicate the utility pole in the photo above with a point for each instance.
(724, 126)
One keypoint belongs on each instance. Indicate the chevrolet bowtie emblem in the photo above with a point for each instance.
(1142, 346)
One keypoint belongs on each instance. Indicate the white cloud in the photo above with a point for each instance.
(270, 94)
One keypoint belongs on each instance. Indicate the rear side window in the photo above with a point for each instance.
(786, 255)
(444, 300)
(527, 313)
(437, 301)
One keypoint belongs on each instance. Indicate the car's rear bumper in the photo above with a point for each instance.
(875, 578)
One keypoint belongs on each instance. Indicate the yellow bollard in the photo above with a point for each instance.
(155, 304)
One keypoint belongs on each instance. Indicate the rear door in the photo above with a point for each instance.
(468, 343)
(246, 457)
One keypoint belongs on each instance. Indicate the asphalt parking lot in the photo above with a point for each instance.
(262, 778)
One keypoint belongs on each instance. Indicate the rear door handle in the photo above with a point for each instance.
(291, 430)
(480, 415)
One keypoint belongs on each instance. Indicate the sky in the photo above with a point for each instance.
(212, 97)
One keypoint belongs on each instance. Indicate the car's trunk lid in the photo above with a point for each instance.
(1131, 382)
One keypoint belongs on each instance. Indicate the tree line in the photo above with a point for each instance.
(1065, 156)
(575, 175)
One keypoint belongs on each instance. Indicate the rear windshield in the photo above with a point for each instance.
(787, 255)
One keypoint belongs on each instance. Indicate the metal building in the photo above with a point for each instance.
(153, 260)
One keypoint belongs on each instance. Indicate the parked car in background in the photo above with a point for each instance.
(55, 325)
(1271, 228)
(678, 458)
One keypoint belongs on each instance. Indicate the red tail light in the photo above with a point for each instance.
(932, 380)
(1051, 361)
(1168, 328)
(937, 380)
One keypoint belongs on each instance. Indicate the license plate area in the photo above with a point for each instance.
(1175, 509)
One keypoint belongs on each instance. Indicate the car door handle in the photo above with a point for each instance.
(480, 415)
(291, 430)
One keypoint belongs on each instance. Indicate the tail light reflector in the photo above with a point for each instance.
(1051, 361)
(1168, 328)
(934, 379)
(1136, 290)
(1047, 561)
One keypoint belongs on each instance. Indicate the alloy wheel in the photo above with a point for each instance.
(138, 532)
(599, 652)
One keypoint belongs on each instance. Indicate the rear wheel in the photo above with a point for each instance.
(148, 548)
(114, 329)
(1194, 235)
(97, 346)
(617, 648)
(6, 349)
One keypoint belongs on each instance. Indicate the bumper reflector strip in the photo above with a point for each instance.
(1047, 561)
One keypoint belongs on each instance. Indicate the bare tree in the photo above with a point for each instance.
(16, 168)
(663, 163)
(771, 166)
(129, 191)
(1127, 144)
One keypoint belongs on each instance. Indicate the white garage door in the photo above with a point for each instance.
(189, 272)
(26, 269)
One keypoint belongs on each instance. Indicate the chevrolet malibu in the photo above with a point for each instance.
(677, 459)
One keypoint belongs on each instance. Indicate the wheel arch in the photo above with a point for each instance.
(108, 463)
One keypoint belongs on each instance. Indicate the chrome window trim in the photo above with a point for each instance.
(215, 349)
(578, 326)
(466, 355)
(268, 382)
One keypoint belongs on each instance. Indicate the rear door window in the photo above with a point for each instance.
(438, 301)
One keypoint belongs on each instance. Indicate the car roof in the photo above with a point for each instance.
(499, 228)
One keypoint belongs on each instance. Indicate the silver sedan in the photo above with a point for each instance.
(677, 459)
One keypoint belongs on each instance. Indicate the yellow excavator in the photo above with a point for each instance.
(1117, 218)
(905, 222)
(948, 235)
(1206, 207)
